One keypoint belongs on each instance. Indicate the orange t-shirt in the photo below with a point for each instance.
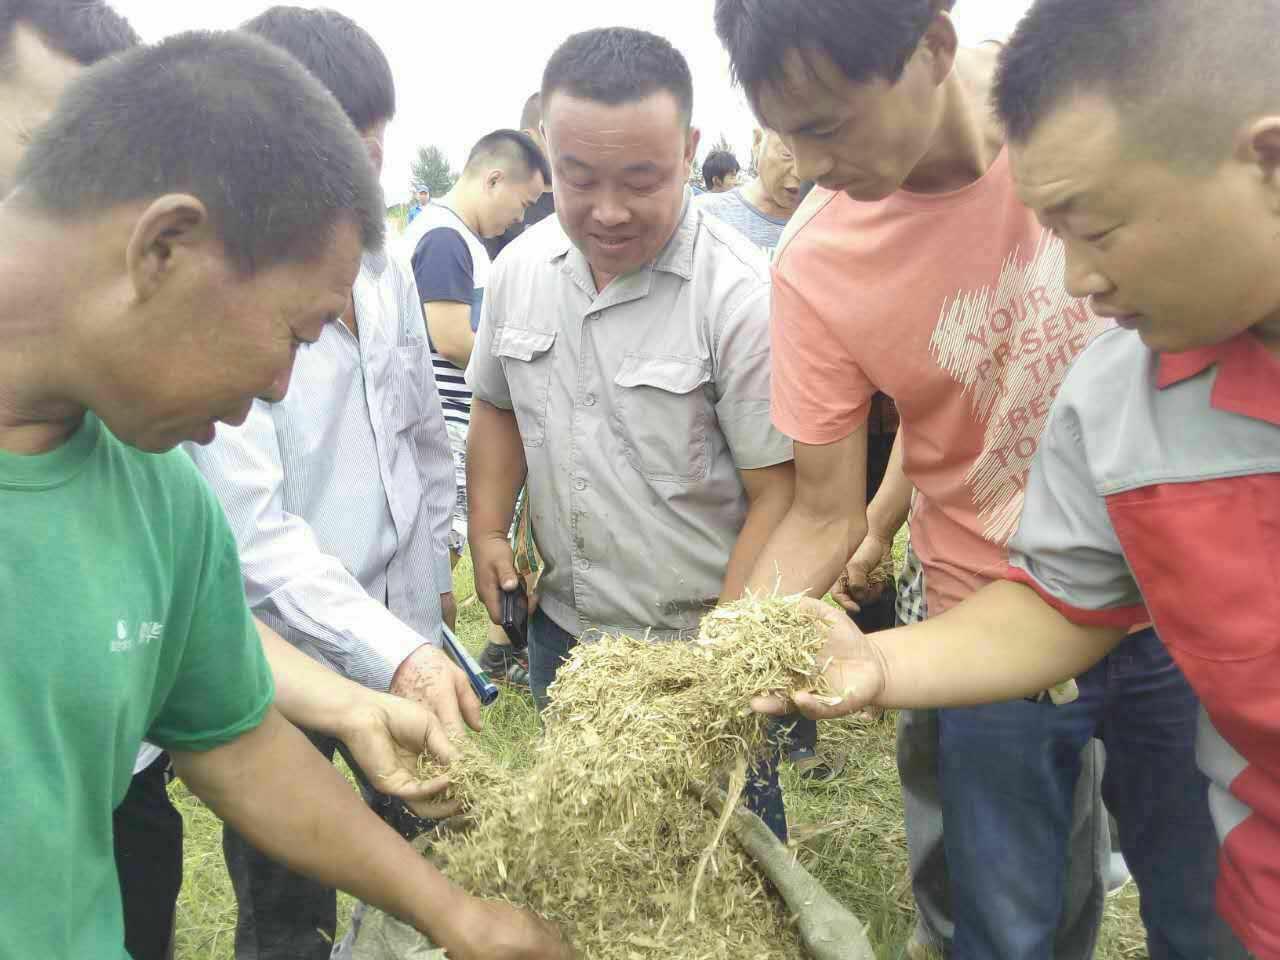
(954, 305)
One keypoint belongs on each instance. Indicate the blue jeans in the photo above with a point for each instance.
(1008, 772)
(550, 645)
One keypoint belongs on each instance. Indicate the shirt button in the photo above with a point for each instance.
(593, 316)
(584, 564)
(589, 400)
(579, 484)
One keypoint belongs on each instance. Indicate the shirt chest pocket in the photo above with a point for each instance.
(526, 361)
(664, 415)
(1205, 556)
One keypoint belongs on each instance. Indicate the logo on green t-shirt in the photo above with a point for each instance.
(149, 631)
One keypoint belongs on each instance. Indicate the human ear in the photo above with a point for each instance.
(941, 43)
(691, 145)
(165, 236)
(1260, 146)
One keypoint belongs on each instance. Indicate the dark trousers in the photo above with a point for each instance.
(550, 646)
(1008, 775)
(148, 846)
(281, 915)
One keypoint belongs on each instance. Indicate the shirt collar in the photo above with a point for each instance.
(1248, 381)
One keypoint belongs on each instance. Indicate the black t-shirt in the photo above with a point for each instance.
(545, 206)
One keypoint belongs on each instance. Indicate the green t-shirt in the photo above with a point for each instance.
(122, 616)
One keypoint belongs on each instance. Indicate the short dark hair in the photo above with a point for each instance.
(1185, 75)
(718, 165)
(866, 39)
(531, 115)
(226, 117)
(511, 149)
(616, 65)
(84, 30)
(339, 52)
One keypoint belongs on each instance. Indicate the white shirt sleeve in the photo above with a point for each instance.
(286, 572)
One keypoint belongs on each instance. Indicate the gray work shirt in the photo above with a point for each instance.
(637, 407)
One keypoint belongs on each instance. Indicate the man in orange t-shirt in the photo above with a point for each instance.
(913, 269)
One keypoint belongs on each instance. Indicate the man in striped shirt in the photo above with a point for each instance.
(505, 174)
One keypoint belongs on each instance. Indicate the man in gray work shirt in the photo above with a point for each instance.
(623, 363)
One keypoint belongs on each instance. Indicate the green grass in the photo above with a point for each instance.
(857, 847)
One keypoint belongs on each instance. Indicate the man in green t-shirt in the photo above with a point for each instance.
(191, 214)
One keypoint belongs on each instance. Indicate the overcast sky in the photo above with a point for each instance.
(464, 68)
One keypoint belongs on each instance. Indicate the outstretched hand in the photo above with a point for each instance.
(852, 666)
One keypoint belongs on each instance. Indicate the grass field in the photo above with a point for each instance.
(851, 832)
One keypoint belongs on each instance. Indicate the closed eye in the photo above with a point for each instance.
(1097, 237)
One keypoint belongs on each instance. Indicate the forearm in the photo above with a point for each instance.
(271, 786)
(888, 509)
(765, 513)
(308, 695)
(495, 469)
(805, 554)
(457, 348)
(449, 325)
(1002, 643)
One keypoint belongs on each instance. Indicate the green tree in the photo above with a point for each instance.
(431, 169)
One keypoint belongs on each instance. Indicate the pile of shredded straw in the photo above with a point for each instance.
(605, 834)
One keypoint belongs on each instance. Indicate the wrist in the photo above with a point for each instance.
(402, 673)
(443, 914)
(351, 716)
(878, 532)
(881, 659)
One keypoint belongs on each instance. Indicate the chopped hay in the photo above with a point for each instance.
(607, 832)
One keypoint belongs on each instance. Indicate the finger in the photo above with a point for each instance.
(823, 611)
(507, 576)
(417, 729)
(405, 786)
(841, 597)
(466, 707)
(435, 810)
(491, 599)
(821, 708)
(444, 695)
(772, 706)
(427, 798)
(435, 740)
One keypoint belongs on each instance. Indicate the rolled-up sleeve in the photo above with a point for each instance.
(1066, 548)
(286, 573)
(743, 389)
(485, 374)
